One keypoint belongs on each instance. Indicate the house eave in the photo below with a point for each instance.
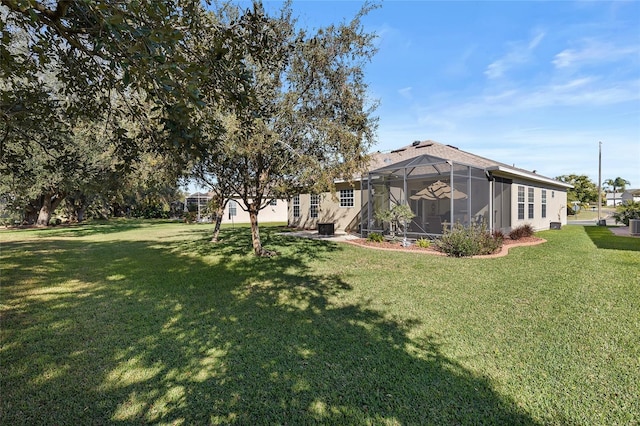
(529, 175)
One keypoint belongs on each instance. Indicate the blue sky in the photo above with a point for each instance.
(531, 83)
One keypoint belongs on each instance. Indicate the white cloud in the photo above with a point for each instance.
(406, 92)
(585, 91)
(594, 52)
(536, 40)
(519, 53)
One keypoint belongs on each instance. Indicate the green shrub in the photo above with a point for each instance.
(150, 211)
(521, 231)
(627, 211)
(375, 237)
(423, 243)
(472, 241)
(190, 217)
(396, 217)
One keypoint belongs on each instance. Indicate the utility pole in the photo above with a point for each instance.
(599, 180)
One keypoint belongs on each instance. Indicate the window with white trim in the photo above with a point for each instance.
(346, 198)
(296, 206)
(313, 209)
(233, 208)
(520, 202)
(544, 203)
(530, 199)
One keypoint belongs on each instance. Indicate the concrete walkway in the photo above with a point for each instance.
(622, 231)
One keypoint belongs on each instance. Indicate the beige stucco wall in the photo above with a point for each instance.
(556, 205)
(347, 217)
(329, 210)
(277, 213)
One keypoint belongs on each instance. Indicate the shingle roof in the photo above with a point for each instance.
(454, 154)
(435, 149)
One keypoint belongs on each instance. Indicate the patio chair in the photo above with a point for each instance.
(434, 225)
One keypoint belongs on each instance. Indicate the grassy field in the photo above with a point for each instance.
(589, 214)
(141, 322)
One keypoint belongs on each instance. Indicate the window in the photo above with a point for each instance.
(346, 198)
(530, 200)
(520, 202)
(233, 205)
(273, 202)
(296, 206)
(315, 201)
(544, 203)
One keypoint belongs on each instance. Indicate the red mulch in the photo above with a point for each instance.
(397, 246)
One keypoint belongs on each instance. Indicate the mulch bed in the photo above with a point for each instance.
(397, 246)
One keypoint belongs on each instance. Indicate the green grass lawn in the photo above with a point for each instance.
(589, 214)
(141, 322)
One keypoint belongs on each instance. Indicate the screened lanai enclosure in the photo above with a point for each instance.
(438, 191)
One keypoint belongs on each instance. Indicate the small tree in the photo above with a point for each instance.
(396, 217)
(627, 211)
(305, 119)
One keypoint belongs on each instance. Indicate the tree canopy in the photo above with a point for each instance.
(109, 64)
(309, 120)
(617, 183)
(584, 191)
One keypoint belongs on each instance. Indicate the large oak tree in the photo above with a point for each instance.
(109, 63)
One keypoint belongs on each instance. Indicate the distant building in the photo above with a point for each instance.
(276, 211)
(630, 195)
(614, 198)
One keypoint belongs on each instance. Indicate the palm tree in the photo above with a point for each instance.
(616, 183)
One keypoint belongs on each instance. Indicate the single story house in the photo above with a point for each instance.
(276, 211)
(442, 185)
(630, 195)
(613, 198)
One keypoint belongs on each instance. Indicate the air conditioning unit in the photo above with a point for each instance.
(634, 226)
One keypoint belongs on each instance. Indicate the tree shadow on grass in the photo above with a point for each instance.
(85, 229)
(603, 238)
(148, 332)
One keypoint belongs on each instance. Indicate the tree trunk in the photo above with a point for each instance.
(44, 216)
(50, 202)
(258, 250)
(216, 230)
(255, 230)
(31, 213)
(80, 213)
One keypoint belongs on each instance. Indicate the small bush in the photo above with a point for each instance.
(627, 211)
(375, 237)
(521, 231)
(472, 241)
(190, 217)
(498, 235)
(423, 243)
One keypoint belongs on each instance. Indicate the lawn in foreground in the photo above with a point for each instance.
(143, 322)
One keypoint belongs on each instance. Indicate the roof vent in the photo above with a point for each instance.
(424, 146)
(451, 146)
(415, 143)
(398, 150)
